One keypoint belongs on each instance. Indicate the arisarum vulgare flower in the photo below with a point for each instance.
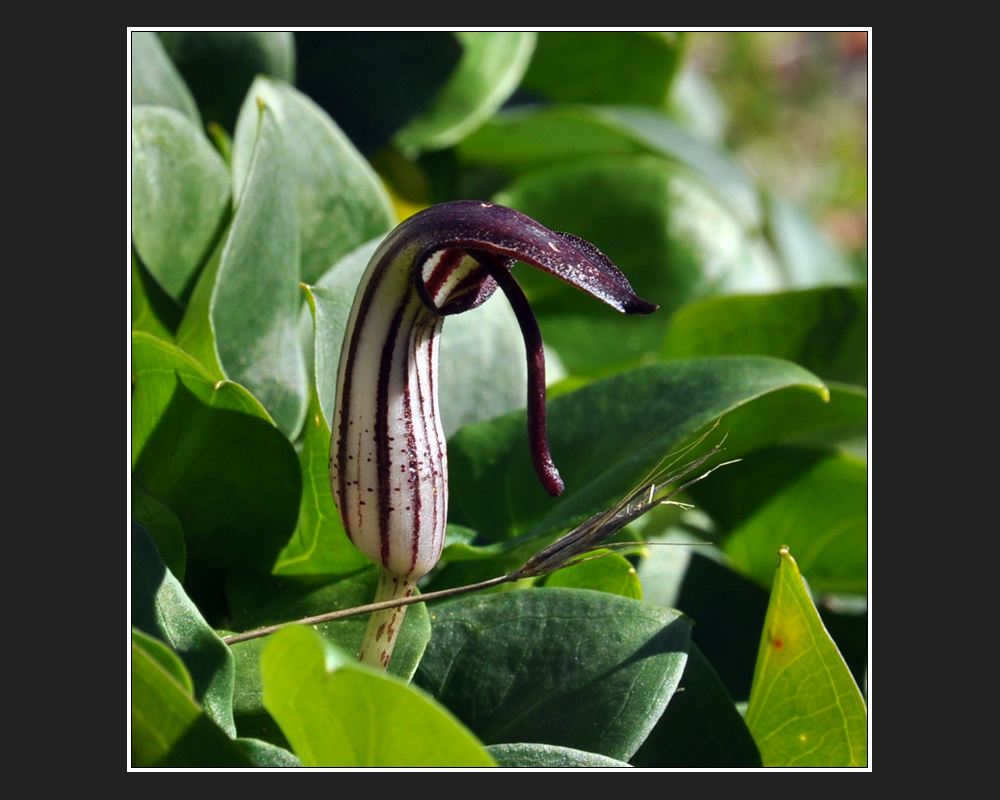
(388, 462)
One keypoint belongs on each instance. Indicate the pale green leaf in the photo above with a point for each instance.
(155, 80)
(805, 708)
(256, 298)
(339, 199)
(180, 194)
(337, 713)
(491, 67)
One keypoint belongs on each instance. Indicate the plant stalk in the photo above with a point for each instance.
(384, 625)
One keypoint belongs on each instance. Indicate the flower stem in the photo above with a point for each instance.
(383, 626)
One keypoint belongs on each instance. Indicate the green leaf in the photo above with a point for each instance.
(794, 417)
(605, 67)
(180, 193)
(337, 713)
(340, 200)
(825, 330)
(162, 525)
(605, 438)
(255, 302)
(219, 66)
(195, 334)
(161, 609)
(491, 67)
(371, 82)
(166, 658)
(548, 756)
(319, 545)
(815, 501)
(260, 601)
(727, 179)
(153, 310)
(168, 727)
(805, 709)
(208, 450)
(568, 667)
(524, 140)
(265, 755)
(155, 80)
(701, 727)
(673, 239)
(610, 573)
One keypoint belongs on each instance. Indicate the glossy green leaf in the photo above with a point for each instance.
(794, 417)
(610, 573)
(208, 450)
(728, 181)
(523, 140)
(180, 193)
(167, 659)
(337, 713)
(219, 66)
(161, 609)
(605, 438)
(568, 667)
(155, 80)
(805, 709)
(825, 330)
(605, 67)
(701, 727)
(527, 139)
(168, 727)
(265, 601)
(340, 200)
(491, 67)
(153, 310)
(256, 298)
(815, 501)
(163, 526)
(670, 235)
(548, 756)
